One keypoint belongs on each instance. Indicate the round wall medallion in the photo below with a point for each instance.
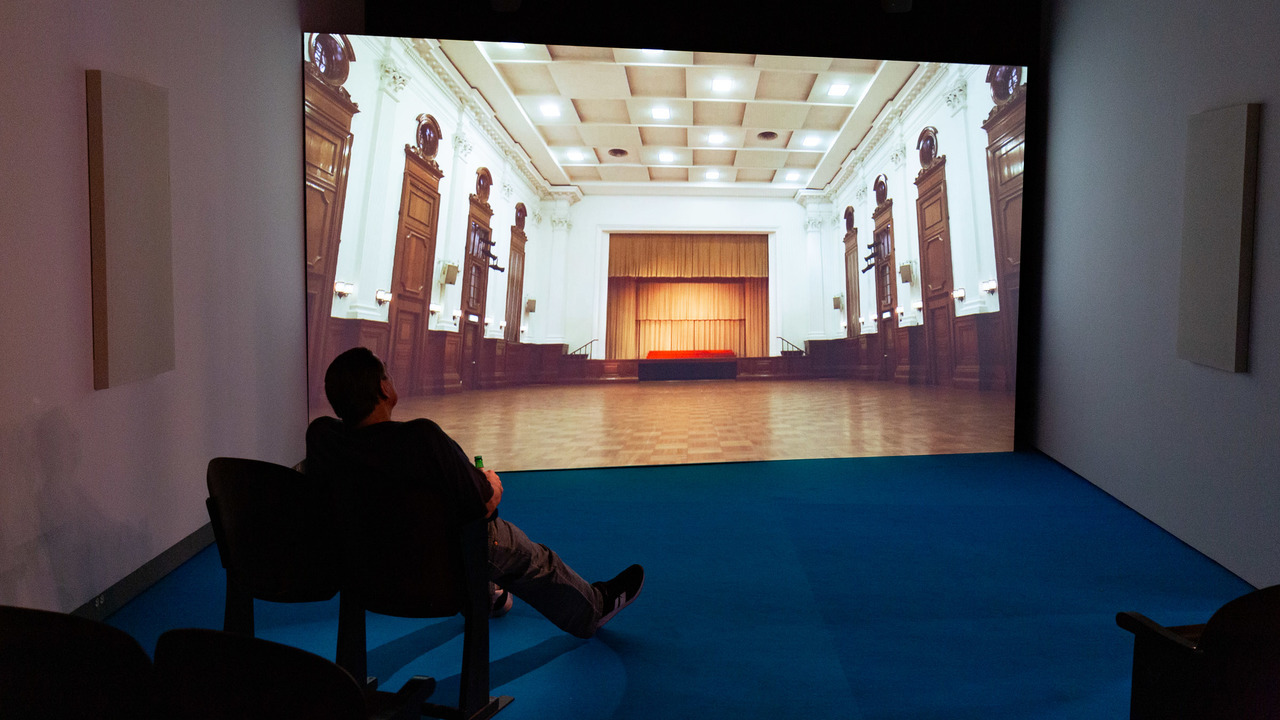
(428, 135)
(332, 57)
(927, 144)
(484, 181)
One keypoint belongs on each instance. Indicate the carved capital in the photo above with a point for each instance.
(462, 146)
(394, 80)
(899, 155)
(507, 189)
(813, 223)
(561, 222)
(860, 194)
(957, 97)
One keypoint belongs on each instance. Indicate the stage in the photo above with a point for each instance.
(689, 365)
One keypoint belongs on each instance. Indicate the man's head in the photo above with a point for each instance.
(356, 383)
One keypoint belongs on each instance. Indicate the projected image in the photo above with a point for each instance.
(587, 257)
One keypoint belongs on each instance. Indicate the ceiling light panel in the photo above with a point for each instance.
(701, 82)
(640, 112)
(631, 56)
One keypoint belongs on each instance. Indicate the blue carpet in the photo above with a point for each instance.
(959, 586)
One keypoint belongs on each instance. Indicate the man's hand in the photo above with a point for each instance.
(496, 484)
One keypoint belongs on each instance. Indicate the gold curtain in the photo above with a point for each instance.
(654, 302)
(688, 256)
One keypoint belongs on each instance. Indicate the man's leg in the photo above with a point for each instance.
(534, 573)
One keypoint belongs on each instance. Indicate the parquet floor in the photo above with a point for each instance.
(664, 423)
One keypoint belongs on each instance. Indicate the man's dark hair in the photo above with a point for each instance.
(353, 384)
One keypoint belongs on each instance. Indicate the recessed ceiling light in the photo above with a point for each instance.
(793, 176)
(575, 156)
(550, 109)
(837, 90)
(812, 140)
(715, 138)
(661, 113)
(713, 174)
(512, 45)
(666, 156)
(722, 84)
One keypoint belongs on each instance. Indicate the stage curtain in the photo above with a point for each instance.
(755, 325)
(665, 255)
(620, 327)
(690, 316)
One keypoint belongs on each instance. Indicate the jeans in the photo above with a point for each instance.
(535, 574)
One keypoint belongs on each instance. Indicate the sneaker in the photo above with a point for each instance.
(502, 601)
(619, 592)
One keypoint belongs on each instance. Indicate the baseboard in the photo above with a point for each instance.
(137, 582)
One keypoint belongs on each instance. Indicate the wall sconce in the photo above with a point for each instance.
(862, 320)
(958, 294)
(844, 324)
(900, 311)
(343, 289)
(382, 296)
(988, 286)
(457, 314)
(524, 329)
(433, 308)
(488, 321)
(917, 305)
(502, 325)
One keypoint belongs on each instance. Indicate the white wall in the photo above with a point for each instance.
(94, 484)
(1196, 450)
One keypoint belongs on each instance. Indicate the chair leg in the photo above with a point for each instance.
(238, 614)
(352, 650)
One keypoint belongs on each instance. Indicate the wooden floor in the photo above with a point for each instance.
(663, 423)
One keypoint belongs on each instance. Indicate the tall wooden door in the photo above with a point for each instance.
(886, 279)
(851, 251)
(936, 280)
(475, 281)
(515, 278)
(1006, 135)
(412, 269)
(327, 139)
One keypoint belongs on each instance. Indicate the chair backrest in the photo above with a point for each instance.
(401, 553)
(213, 675)
(54, 665)
(1241, 645)
(274, 529)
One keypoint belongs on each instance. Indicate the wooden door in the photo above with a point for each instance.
(475, 281)
(852, 303)
(327, 140)
(515, 277)
(936, 280)
(1006, 135)
(412, 272)
(886, 270)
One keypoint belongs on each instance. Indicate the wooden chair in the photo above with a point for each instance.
(54, 665)
(1227, 668)
(397, 563)
(212, 675)
(276, 536)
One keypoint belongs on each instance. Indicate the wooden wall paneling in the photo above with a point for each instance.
(327, 113)
(993, 355)
(1006, 135)
(910, 354)
(475, 279)
(886, 270)
(967, 360)
(451, 380)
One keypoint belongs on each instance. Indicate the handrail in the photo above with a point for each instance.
(797, 347)
(575, 352)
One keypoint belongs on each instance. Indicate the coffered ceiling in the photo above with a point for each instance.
(645, 122)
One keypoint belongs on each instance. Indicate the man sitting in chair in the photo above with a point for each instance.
(418, 451)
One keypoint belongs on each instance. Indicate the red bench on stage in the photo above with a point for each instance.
(689, 354)
(689, 365)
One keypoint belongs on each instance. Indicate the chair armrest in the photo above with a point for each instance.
(403, 705)
(1144, 628)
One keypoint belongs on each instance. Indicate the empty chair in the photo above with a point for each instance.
(212, 675)
(54, 665)
(1226, 668)
(275, 535)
